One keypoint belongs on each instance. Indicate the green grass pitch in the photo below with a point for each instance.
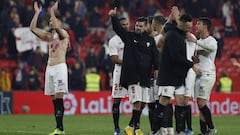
(95, 124)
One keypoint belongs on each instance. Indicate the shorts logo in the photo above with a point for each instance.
(61, 85)
(165, 89)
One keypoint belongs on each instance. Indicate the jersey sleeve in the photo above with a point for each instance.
(209, 45)
(112, 47)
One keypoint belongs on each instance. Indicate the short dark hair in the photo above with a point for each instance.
(160, 19)
(185, 18)
(121, 18)
(142, 19)
(149, 19)
(206, 21)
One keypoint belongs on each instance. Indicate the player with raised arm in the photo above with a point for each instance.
(116, 47)
(173, 70)
(157, 26)
(140, 60)
(56, 76)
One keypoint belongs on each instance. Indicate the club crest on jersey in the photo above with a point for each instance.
(148, 44)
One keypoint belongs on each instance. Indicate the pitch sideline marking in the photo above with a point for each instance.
(34, 132)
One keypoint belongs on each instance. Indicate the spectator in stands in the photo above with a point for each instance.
(129, 5)
(38, 59)
(5, 82)
(13, 22)
(94, 20)
(76, 77)
(236, 15)
(227, 17)
(192, 6)
(65, 5)
(80, 9)
(19, 80)
(220, 41)
(151, 8)
(93, 80)
(79, 29)
(163, 3)
(28, 13)
(225, 83)
(91, 59)
(105, 65)
(34, 81)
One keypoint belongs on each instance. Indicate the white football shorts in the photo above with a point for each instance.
(204, 84)
(56, 79)
(153, 91)
(117, 90)
(188, 89)
(167, 91)
(138, 93)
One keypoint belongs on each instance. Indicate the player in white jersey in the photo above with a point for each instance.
(207, 48)
(116, 47)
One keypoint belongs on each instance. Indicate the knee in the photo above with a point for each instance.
(201, 103)
(137, 105)
(164, 100)
(117, 101)
(180, 100)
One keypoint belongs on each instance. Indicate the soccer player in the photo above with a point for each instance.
(140, 59)
(157, 26)
(207, 48)
(173, 70)
(116, 47)
(56, 75)
(186, 91)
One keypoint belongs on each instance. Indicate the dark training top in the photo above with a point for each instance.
(174, 63)
(140, 56)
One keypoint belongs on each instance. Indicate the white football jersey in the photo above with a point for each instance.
(207, 49)
(191, 47)
(116, 47)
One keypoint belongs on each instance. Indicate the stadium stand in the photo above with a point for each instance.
(80, 47)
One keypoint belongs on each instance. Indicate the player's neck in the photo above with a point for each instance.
(204, 34)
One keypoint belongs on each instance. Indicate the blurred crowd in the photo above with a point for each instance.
(88, 25)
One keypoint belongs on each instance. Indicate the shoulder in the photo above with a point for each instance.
(65, 32)
(210, 40)
(114, 40)
(171, 34)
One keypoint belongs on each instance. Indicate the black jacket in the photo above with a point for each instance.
(174, 63)
(140, 56)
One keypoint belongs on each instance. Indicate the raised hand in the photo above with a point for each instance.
(37, 7)
(175, 13)
(55, 6)
(113, 12)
